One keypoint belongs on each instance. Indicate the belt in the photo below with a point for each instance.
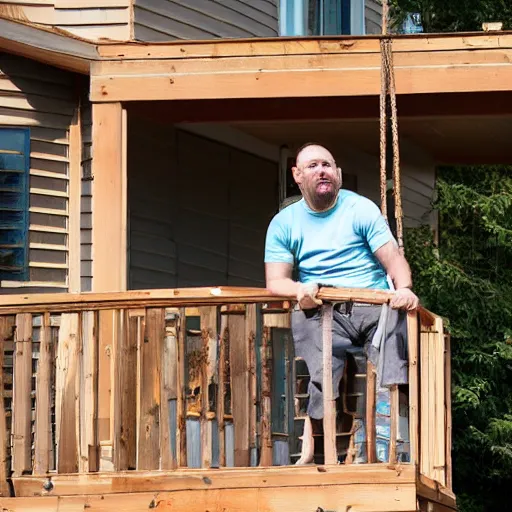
(346, 307)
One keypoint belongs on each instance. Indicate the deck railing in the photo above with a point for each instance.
(205, 377)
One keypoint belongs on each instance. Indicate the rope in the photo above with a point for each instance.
(388, 89)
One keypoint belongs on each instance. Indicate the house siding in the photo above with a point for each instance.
(373, 17)
(193, 224)
(90, 19)
(42, 98)
(163, 20)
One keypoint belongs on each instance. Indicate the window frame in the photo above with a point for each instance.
(24, 202)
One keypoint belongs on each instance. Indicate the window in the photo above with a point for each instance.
(321, 17)
(14, 196)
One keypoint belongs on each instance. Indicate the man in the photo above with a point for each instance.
(333, 237)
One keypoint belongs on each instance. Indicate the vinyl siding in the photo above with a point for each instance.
(163, 20)
(193, 224)
(373, 17)
(86, 198)
(90, 19)
(42, 98)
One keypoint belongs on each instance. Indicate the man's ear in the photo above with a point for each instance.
(340, 174)
(297, 175)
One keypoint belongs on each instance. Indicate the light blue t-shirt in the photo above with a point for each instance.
(335, 247)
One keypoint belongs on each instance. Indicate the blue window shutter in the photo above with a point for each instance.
(14, 199)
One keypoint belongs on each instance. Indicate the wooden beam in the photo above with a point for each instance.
(181, 442)
(217, 479)
(22, 402)
(344, 74)
(108, 222)
(75, 180)
(174, 297)
(250, 332)
(221, 386)
(329, 402)
(7, 324)
(448, 405)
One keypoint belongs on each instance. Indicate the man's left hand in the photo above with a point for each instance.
(404, 299)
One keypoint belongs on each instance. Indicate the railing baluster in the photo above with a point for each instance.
(266, 394)
(168, 417)
(439, 398)
(250, 331)
(208, 317)
(239, 385)
(105, 362)
(22, 387)
(370, 412)
(149, 432)
(42, 438)
(329, 421)
(221, 387)
(125, 392)
(7, 324)
(66, 404)
(414, 425)
(181, 441)
(394, 404)
(448, 406)
(89, 449)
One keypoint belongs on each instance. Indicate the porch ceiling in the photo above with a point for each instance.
(461, 139)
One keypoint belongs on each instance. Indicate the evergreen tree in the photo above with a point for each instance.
(467, 278)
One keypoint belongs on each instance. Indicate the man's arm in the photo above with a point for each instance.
(280, 282)
(398, 269)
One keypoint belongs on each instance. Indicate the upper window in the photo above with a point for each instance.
(321, 17)
(14, 197)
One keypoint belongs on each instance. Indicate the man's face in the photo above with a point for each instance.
(317, 176)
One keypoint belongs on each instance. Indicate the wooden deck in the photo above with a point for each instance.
(171, 399)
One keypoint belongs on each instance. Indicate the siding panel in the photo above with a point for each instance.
(43, 98)
(161, 20)
(91, 19)
(373, 17)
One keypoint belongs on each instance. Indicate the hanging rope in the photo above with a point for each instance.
(388, 90)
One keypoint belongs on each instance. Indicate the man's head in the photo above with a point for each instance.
(317, 176)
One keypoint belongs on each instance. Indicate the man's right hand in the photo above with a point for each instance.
(306, 296)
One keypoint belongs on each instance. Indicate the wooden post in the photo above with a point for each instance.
(250, 331)
(239, 387)
(106, 341)
(266, 397)
(125, 394)
(181, 442)
(394, 399)
(21, 403)
(89, 448)
(209, 337)
(150, 401)
(221, 387)
(439, 404)
(448, 404)
(75, 179)
(370, 412)
(169, 392)
(108, 215)
(6, 331)
(66, 404)
(43, 432)
(329, 422)
(414, 423)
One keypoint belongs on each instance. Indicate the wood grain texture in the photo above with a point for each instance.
(266, 398)
(414, 419)
(43, 430)
(371, 378)
(150, 399)
(22, 387)
(7, 324)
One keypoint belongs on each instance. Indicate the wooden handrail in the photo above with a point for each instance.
(62, 302)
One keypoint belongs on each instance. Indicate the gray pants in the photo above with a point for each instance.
(353, 326)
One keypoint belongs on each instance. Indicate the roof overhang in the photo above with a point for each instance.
(47, 45)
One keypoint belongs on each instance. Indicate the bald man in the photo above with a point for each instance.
(333, 237)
